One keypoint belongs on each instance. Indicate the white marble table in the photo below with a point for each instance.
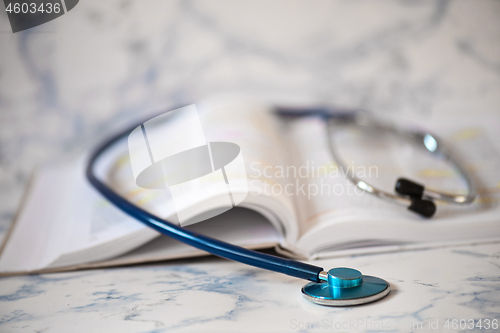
(66, 84)
(212, 295)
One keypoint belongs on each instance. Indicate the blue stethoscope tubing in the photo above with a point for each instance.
(338, 287)
(216, 247)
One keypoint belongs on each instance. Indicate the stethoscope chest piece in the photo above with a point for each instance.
(344, 287)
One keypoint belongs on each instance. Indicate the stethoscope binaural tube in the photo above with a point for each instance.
(415, 197)
(409, 194)
(336, 287)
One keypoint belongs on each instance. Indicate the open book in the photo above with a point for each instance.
(297, 202)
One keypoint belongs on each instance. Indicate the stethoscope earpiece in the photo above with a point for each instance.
(407, 187)
(415, 191)
(344, 287)
(425, 208)
(409, 194)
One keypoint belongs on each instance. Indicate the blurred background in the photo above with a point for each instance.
(67, 84)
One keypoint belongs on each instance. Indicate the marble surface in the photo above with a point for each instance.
(213, 295)
(66, 84)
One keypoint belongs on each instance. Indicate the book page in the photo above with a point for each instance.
(62, 213)
(251, 126)
(238, 226)
(338, 202)
(80, 226)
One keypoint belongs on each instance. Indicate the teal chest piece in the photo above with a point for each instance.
(345, 286)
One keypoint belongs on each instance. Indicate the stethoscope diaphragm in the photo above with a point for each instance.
(345, 287)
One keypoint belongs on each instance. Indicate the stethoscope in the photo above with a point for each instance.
(414, 196)
(338, 286)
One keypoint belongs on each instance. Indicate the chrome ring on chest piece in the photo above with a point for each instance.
(344, 287)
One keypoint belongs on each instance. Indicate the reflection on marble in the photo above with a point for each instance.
(68, 83)
(213, 295)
